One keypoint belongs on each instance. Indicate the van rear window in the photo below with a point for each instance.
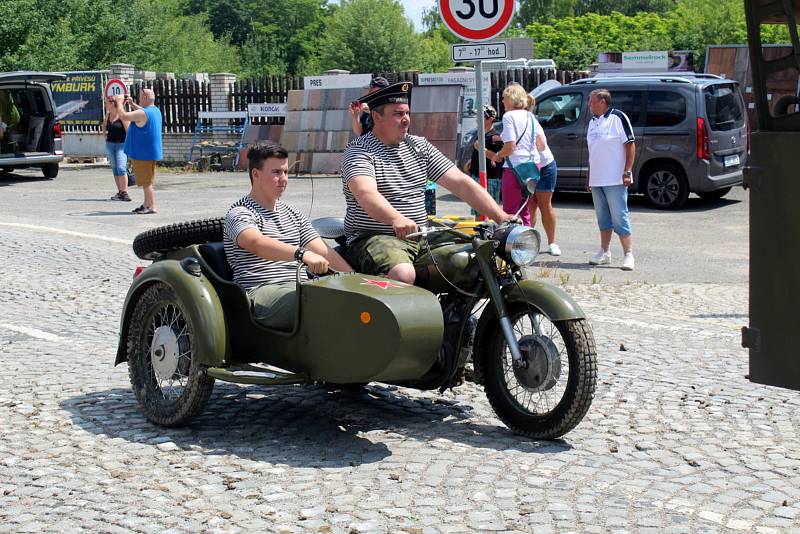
(724, 107)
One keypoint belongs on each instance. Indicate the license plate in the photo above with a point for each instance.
(732, 160)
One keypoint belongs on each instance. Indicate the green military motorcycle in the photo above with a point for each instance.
(185, 324)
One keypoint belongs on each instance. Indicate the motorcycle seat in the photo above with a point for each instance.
(214, 254)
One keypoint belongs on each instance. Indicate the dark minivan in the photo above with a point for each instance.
(30, 136)
(691, 133)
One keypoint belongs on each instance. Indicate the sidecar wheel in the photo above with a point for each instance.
(549, 397)
(169, 383)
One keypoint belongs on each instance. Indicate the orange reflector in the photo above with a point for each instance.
(366, 318)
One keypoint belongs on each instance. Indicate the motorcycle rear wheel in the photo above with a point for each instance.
(551, 396)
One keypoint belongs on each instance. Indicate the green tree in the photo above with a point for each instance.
(91, 34)
(274, 37)
(699, 23)
(574, 42)
(369, 36)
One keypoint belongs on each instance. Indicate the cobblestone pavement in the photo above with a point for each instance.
(677, 440)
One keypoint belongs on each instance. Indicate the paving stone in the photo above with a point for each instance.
(76, 455)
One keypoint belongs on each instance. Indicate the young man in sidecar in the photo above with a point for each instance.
(384, 174)
(266, 238)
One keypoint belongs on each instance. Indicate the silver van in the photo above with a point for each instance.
(691, 133)
(30, 136)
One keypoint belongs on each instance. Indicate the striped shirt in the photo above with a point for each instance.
(285, 224)
(400, 171)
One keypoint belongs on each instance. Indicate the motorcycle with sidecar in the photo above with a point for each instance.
(185, 324)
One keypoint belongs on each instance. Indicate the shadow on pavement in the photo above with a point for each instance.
(300, 426)
(7, 179)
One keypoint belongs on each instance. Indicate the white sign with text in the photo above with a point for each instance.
(645, 61)
(266, 110)
(337, 81)
(477, 52)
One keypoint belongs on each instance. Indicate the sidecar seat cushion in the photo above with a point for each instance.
(214, 254)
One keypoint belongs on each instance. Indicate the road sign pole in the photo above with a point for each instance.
(481, 132)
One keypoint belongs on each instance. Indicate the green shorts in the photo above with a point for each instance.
(275, 305)
(378, 254)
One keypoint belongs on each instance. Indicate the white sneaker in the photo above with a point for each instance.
(555, 250)
(627, 262)
(603, 257)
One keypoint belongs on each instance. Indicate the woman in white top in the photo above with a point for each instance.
(543, 198)
(523, 139)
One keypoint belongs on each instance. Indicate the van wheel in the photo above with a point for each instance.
(665, 187)
(714, 195)
(50, 170)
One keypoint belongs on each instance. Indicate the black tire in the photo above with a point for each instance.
(152, 243)
(714, 195)
(50, 170)
(578, 383)
(665, 186)
(159, 316)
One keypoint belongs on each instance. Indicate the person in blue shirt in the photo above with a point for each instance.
(143, 143)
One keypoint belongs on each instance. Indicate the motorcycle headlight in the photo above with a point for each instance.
(518, 244)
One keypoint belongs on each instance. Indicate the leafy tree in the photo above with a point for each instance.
(273, 37)
(574, 42)
(433, 54)
(91, 34)
(369, 36)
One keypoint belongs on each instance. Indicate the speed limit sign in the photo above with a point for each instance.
(476, 20)
(114, 88)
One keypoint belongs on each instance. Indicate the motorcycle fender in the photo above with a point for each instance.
(199, 301)
(550, 300)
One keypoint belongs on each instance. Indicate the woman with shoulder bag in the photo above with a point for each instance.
(523, 140)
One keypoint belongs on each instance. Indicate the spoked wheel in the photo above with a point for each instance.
(168, 381)
(549, 395)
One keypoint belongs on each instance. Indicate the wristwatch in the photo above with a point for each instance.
(627, 174)
(299, 253)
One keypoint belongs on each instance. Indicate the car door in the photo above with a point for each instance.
(563, 118)
(631, 101)
(669, 125)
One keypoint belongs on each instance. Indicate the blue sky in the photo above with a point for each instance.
(413, 9)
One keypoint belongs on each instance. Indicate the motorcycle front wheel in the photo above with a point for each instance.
(549, 395)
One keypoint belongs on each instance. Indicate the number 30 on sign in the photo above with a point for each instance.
(476, 20)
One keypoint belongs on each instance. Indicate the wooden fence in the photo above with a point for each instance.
(179, 101)
(263, 90)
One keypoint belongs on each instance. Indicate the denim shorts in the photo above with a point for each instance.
(117, 158)
(547, 180)
(611, 208)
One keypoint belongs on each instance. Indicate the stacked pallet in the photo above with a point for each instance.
(318, 128)
(435, 115)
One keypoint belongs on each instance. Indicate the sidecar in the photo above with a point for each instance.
(185, 323)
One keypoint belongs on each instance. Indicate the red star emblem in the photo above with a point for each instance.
(383, 284)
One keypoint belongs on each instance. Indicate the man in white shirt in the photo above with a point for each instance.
(612, 151)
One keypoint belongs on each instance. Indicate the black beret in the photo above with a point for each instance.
(399, 93)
